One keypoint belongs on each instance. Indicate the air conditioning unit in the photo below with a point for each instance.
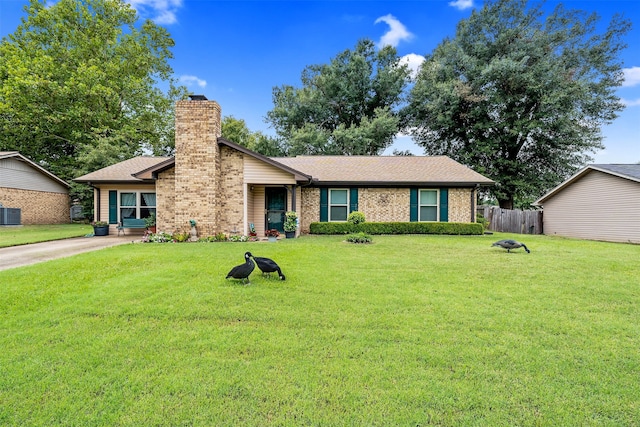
(10, 216)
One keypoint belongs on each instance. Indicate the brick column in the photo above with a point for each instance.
(197, 166)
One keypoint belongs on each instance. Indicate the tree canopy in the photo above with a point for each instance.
(345, 107)
(236, 130)
(79, 86)
(519, 98)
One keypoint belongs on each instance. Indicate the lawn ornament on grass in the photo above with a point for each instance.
(509, 244)
(242, 271)
(268, 266)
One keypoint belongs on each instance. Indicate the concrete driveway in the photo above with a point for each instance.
(17, 256)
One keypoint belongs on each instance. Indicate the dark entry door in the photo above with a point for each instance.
(276, 200)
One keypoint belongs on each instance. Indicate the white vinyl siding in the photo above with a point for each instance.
(598, 206)
(259, 172)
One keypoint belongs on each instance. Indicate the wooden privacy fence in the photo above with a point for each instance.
(512, 221)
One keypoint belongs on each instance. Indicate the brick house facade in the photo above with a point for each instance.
(226, 187)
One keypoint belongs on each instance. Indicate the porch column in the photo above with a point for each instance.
(245, 210)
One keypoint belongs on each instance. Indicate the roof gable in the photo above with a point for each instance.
(170, 162)
(625, 171)
(123, 171)
(19, 157)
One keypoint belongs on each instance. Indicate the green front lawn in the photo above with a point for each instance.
(410, 330)
(12, 236)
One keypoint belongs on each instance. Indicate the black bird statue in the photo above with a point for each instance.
(243, 271)
(509, 244)
(267, 265)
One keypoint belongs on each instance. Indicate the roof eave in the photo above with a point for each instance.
(113, 181)
(155, 169)
(457, 184)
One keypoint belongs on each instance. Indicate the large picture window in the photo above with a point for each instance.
(338, 204)
(428, 205)
(137, 205)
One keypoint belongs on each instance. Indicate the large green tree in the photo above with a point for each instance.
(236, 130)
(79, 86)
(520, 95)
(348, 106)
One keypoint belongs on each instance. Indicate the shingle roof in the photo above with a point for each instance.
(630, 171)
(328, 170)
(626, 171)
(385, 169)
(122, 172)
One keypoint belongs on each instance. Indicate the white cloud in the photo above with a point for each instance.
(397, 31)
(631, 76)
(192, 80)
(461, 4)
(162, 12)
(631, 102)
(414, 61)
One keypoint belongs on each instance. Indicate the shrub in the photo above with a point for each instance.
(220, 237)
(359, 238)
(454, 228)
(355, 217)
(181, 237)
(160, 237)
(290, 221)
(331, 228)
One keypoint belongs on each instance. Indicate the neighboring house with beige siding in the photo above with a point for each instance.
(599, 202)
(226, 187)
(42, 197)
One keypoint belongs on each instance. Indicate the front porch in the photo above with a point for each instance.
(265, 207)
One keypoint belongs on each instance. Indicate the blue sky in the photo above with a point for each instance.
(235, 52)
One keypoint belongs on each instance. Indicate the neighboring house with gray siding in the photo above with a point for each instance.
(42, 197)
(599, 202)
(225, 187)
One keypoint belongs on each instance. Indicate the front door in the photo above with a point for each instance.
(276, 206)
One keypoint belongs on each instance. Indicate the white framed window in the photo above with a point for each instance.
(136, 204)
(338, 204)
(428, 205)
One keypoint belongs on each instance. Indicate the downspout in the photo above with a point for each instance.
(293, 197)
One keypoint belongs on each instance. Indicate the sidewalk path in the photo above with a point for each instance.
(17, 256)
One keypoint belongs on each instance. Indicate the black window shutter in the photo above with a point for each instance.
(444, 205)
(113, 207)
(324, 205)
(413, 204)
(353, 199)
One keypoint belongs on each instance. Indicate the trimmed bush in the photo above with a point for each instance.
(359, 238)
(455, 228)
(355, 217)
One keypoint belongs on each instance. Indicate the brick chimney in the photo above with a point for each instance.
(197, 164)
